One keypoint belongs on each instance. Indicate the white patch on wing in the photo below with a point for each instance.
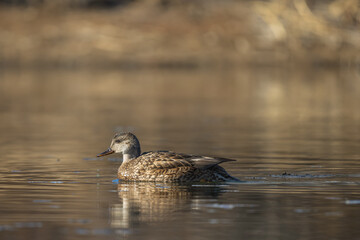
(220, 176)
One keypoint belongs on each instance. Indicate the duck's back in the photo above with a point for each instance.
(167, 166)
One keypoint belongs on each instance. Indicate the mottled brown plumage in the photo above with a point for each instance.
(164, 166)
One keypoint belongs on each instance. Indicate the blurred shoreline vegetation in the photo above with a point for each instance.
(178, 34)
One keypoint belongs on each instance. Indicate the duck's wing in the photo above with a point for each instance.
(167, 160)
(207, 162)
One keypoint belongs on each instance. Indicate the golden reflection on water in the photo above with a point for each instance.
(57, 109)
(302, 121)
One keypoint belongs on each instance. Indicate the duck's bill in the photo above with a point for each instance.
(107, 152)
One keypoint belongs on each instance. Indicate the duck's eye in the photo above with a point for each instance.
(117, 141)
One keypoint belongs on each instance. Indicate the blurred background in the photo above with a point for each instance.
(177, 70)
(178, 34)
(273, 84)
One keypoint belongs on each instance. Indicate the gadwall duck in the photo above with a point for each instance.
(164, 166)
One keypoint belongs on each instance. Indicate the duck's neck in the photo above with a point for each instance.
(131, 153)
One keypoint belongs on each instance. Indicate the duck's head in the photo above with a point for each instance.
(125, 143)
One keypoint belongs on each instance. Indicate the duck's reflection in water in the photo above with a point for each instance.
(143, 202)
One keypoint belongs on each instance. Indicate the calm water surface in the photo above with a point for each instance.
(295, 135)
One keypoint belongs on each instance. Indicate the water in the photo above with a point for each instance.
(295, 135)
